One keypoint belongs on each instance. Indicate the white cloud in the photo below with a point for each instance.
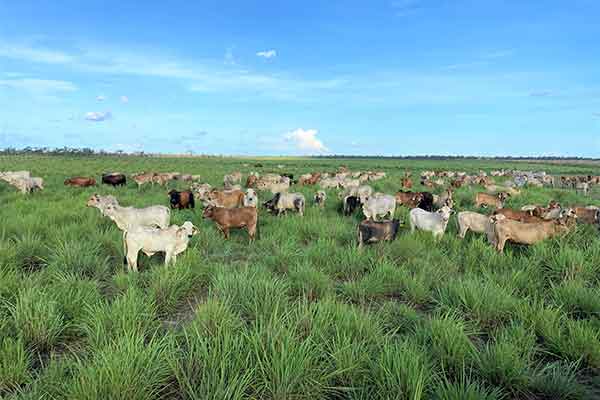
(124, 99)
(267, 53)
(306, 140)
(100, 98)
(39, 85)
(25, 52)
(97, 116)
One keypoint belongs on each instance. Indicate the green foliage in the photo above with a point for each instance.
(301, 313)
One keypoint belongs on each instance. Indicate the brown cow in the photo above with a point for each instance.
(408, 199)
(516, 215)
(181, 200)
(587, 215)
(80, 181)
(251, 181)
(496, 201)
(227, 218)
(226, 198)
(529, 233)
(407, 183)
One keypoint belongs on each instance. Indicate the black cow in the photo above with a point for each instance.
(270, 204)
(376, 231)
(181, 200)
(114, 179)
(351, 203)
(426, 202)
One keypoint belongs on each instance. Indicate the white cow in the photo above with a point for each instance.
(27, 185)
(126, 217)
(251, 198)
(475, 222)
(379, 205)
(172, 241)
(434, 222)
(100, 202)
(129, 217)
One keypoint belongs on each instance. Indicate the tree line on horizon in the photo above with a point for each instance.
(87, 151)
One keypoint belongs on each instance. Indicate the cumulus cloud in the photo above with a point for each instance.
(98, 116)
(267, 53)
(124, 99)
(100, 98)
(306, 140)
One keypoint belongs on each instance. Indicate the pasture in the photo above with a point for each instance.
(301, 313)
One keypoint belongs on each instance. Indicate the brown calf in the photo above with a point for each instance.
(80, 181)
(227, 218)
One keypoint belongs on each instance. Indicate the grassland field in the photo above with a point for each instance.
(299, 314)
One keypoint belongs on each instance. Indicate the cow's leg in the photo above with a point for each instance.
(462, 232)
(132, 255)
(226, 233)
(500, 244)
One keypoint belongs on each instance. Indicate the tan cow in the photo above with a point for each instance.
(530, 233)
(486, 199)
(226, 198)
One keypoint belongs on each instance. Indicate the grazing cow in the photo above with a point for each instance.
(426, 202)
(320, 198)
(114, 179)
(407, 183)
(475, 222)
(181, 200)
(486, 199)
(434, 222)
(251, 198)
(587, 215)
(379, 205)
(100, 202)
(226, 199)
(372, 231)
(518, 215)
(232, 179)
(282, 202)
(309, 179)
(582, 187)
(251, 181)
(26, 185)
(350, 204)
(408, 199)
(172, 241)
(143, 178)
(362, 192)
(529, 233)
(227, 218)
(495, 189)
(130, 217)
(445, 199)
(80, 181)
(9, 176)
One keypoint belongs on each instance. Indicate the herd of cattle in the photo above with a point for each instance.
(149, 230)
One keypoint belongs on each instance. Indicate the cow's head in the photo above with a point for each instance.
(93, 201)
(209, 210)
(188, 229)
(445, 212)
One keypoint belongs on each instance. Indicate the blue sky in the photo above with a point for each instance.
(276, 77)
